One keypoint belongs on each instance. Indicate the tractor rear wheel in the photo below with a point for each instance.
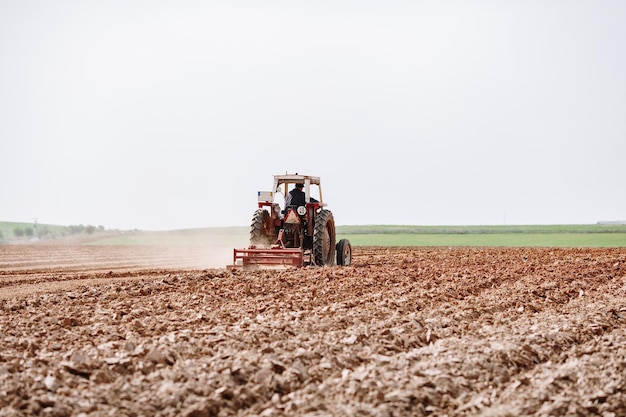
(324, 238)
(344, 252)
(261, 230)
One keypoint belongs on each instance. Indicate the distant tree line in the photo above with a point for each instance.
(44, 232)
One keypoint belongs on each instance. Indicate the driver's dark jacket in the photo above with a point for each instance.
(297, 198)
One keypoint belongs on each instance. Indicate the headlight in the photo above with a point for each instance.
(301, 210)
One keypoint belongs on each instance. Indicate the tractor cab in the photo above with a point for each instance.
(309, 187)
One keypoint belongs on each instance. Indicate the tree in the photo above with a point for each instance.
(29, 231)
(76, 229)
(18, 232)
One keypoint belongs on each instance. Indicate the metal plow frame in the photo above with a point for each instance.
(254, 258)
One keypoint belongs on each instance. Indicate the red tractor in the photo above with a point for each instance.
(299, 234)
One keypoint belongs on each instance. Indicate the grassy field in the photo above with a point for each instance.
(461, 230)
(492, 239)
(532, 235)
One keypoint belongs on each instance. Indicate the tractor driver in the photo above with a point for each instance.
(296, 197)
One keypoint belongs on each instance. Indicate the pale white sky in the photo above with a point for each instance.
(173, 114)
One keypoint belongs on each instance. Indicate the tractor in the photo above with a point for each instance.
(302, 234)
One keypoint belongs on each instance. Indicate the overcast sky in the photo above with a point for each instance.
(162, 115)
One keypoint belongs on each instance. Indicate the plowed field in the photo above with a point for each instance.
(143, 331)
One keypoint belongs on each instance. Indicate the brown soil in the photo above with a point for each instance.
(134, 331)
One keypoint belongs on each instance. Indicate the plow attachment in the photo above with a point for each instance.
(255, 258)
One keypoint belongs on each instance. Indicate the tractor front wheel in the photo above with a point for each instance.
(344, 252)
(324, 238)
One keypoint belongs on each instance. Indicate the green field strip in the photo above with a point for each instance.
(492, 239)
